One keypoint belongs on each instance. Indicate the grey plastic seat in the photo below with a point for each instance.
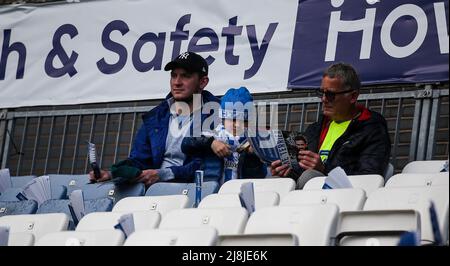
(125, 191)
(71, 182)
(163, 189)
(18, 207)
(10, 194)
(61, 206)
(21, 181)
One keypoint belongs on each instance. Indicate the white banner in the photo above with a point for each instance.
(106, 51)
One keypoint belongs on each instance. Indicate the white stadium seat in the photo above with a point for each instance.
(375, 228)
(313, 224)
(347, 199)
(21, 239)
(162, 204)
(258, 240)
(414, 198)
(418, 179)
(368, 183)
(262, 200)
(88, 238)
(204, 236)
(432, 166)
(37, 224)
(95, 221)
(227, 221)
(280, 185)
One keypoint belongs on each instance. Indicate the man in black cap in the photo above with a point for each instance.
(156, 154)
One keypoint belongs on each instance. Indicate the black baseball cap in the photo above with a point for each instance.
(189, 61)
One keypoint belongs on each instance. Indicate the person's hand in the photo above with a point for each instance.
(104, 176)
(277, 169)
(220, 149)
(310, 160)
(148, 177)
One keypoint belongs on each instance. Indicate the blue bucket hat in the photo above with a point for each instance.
(228, 107)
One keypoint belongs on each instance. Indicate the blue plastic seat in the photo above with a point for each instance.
(71, 182)
(133, 190)
(57, 192)
(163, 188)
(21, 181)
(61, 206)
(17, 207)
(96, 190)
(10, 194)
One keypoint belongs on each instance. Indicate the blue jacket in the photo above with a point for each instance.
(249, 165)
(150, 142)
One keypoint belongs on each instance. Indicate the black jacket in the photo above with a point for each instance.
(364, 148)
(249, 165)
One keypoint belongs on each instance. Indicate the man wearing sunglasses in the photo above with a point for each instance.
(347, 135)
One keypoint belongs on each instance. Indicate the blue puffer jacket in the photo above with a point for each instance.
(249, 165)
(150, 141)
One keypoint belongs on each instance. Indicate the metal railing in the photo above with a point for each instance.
(44, 142)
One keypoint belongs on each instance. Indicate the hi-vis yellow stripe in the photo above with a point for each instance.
(334, 132)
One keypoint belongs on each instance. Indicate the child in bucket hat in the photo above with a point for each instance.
(234, 116)
(228, 140)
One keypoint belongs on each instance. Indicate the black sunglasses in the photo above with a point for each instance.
(329, 95)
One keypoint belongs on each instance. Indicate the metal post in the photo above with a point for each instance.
(433, 125)
(63, 142)
(3, 133)
(36, 144)
(9, 127)
(397, 133)
(424, 123)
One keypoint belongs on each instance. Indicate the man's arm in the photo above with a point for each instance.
(199, 146)
(374, 157)
(186, 171)
(141, 153)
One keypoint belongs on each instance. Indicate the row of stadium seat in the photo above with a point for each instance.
(315, 216)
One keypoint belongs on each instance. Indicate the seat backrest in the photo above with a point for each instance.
(21, 239)
(128, 190)
(376, 228)
(368, 183)
(414, 198)
(262, 200)
(10, 194)
(389, 172)
(258, 240)
(88, 238)
(347, 199)
(204, 236)
(188, 189)
(313, 224)
(21, 181)
(418, 179)
(61, 206)
(225, 220)
(99, 190)
(280, 185)
(107, 220)
(162, 204)
(432, 166)
(71, 182)
(37, 224)
(18, 207)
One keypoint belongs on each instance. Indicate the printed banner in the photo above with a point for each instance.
(116, 50)
(401, 41)
(109, 51)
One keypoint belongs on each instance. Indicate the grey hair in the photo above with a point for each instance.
(346, 73)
